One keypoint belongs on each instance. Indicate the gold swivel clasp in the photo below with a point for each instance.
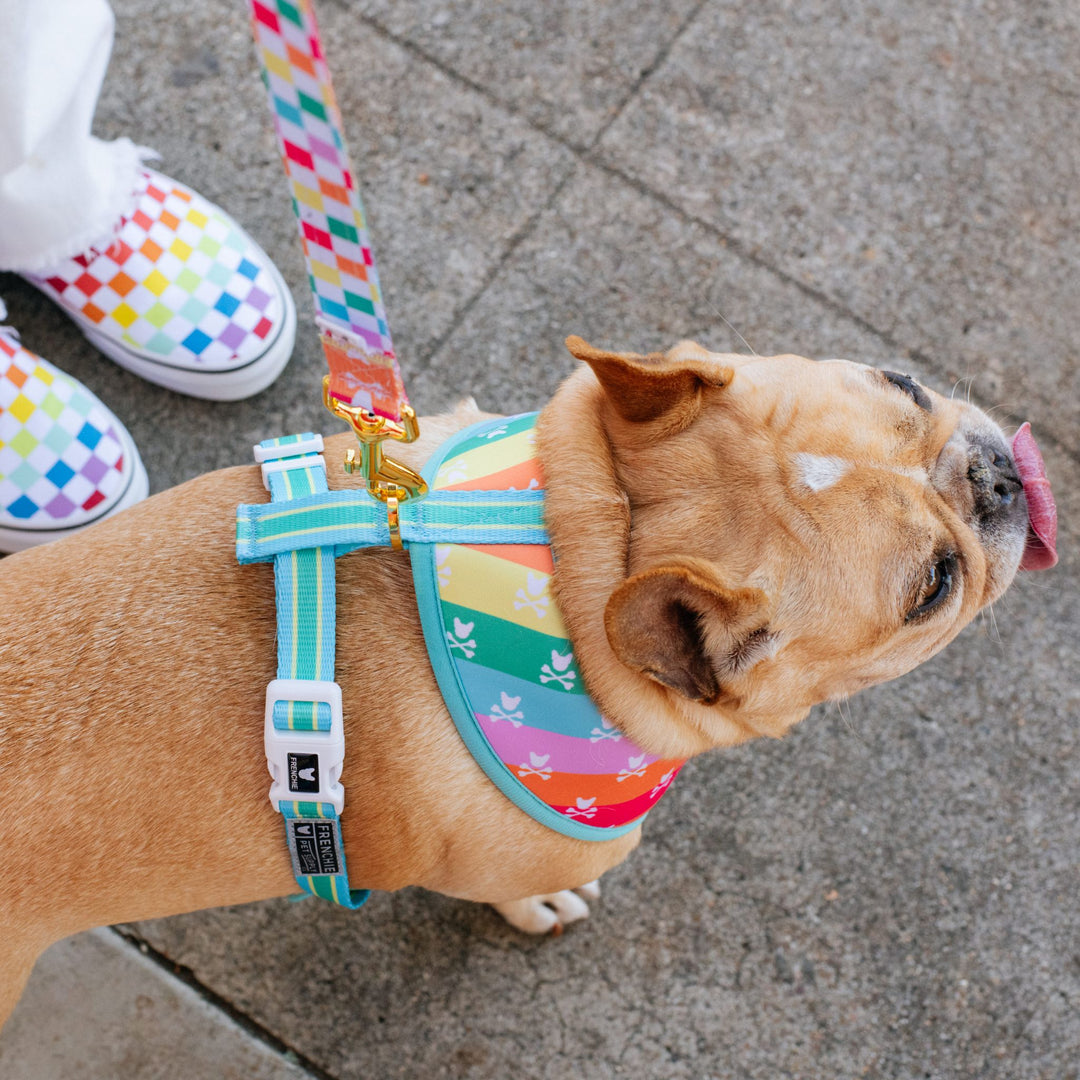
(387, 480)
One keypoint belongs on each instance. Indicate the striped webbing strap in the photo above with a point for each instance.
(345, 520)
(303, 724)
(344, 282)
(303, 529)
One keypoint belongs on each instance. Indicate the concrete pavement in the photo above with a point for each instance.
(889, 892)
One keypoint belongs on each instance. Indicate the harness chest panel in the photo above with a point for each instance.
(505, 665)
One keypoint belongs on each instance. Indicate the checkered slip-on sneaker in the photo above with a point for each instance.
(183, 297)
(65, 460)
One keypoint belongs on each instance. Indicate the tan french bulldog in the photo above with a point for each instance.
(737, 539)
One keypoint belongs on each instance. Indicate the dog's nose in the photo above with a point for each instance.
(994, 479)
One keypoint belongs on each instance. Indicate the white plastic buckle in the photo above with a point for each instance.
(314, 445)
(305, 765)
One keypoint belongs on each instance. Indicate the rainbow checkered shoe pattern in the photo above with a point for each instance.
(65, 460)
(183, 296)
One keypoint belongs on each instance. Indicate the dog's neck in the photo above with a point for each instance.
(590, 524)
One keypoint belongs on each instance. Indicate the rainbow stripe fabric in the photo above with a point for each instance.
(329, 213)
(505, 664)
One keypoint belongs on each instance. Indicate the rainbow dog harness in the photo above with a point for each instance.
(505, 664)
(482, 566)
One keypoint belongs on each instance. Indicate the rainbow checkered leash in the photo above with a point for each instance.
(344, 282)
(303, 728)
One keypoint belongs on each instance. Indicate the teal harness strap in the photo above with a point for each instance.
(304, 733)
(346, 520)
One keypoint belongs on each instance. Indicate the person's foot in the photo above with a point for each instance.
(183, 297)
(65, 460)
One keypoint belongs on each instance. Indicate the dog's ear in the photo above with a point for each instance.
(644, 388)
(685, 630)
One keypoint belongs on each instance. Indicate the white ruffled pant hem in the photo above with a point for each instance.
(119, 163)
(62, 191)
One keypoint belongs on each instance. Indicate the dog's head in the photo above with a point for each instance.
(795, 530)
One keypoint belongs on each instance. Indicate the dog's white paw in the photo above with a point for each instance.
(550, 913)
(590, 891)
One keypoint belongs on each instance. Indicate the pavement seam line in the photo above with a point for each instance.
(581, 152)
(248, 1024)
(430, 352)
(645, 74)
(589, 154)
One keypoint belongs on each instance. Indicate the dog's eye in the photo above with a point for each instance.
(910, 387)
(936, 588)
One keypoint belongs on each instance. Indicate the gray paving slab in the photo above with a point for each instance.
(891, 891)
(95, 1009)
(914, 162)
(611, 264)
(569, 67)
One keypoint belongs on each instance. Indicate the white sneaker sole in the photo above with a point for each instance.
(230, 384)
(138, 487)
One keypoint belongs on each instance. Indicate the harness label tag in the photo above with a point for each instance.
(315, 847)
(304, 773)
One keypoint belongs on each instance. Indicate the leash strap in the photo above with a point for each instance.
(304, 732)
(344, 282)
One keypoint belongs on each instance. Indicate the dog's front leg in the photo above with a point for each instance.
(549, 913)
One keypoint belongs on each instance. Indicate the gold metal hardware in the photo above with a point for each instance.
(387, 480)
(394, 522)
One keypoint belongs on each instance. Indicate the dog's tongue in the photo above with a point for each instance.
(1041, 550)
